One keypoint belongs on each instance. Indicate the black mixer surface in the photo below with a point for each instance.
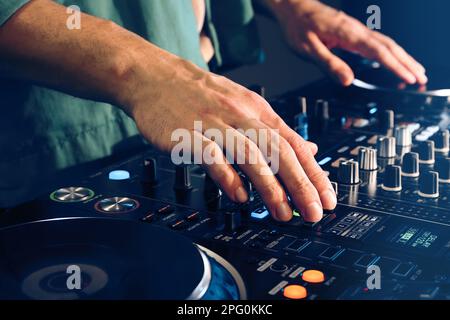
(388, 238)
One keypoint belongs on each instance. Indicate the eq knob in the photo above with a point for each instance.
(442, 141)
(429, 184)
(348, 172)
(182, 178)
(367, 159)
(442, 166)
(426, 152)
(403, 137)
(149, 172)
(392, 179)
(386, 119)
(386, 147)
(410, 164)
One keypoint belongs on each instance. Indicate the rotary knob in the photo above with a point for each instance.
(410, 164)
(442, 140)
(392, 180)
(442, 166)
(348, 172)
(367, 159)
(149, 172)
(386, 119)
(426, 152)
(386, 147)
(429, 184)
(403, 137)
(182, 178)
(117, 205)
(72, 194)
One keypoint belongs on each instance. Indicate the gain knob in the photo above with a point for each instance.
(442, 166)
(182, 178)
(403, 137)
(410, 164)
(392, 179)
(386, 147)
(149, 172)
(426, 152)
(348, 172)
(367, 159)
(441, 141)
(429, 184)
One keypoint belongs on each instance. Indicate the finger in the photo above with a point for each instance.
(374, 49)
(314, 172)
(409, 62)
(312, 147)
(284, 161)
(332, 64)
(220, 170)
(246, 154)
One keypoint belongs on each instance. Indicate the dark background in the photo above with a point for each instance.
(422, 27)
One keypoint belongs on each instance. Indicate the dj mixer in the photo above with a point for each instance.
(145, 228)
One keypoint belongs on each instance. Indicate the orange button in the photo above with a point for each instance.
(294, 291)
(313, 276)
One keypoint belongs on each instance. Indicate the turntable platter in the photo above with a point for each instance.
(117, 259)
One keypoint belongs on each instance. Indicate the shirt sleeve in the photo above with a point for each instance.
(8, 8)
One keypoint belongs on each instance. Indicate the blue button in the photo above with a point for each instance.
(118, 175)
(260, 213)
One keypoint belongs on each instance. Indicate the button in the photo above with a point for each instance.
(366, 261)
(119, 175)
(403, 269)
(177, 225)
(260, 213)
(331, 253)
(193, 216)
(166, 210)
(149, 218)
(294, 291)
(313, 276)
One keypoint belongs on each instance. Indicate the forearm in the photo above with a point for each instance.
(100, 61)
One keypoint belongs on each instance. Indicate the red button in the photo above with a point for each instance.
(313, 276)
(294, 291)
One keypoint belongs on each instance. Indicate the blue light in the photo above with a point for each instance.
(119, 175)
(373, 110)
(260, 213)
(324, 161)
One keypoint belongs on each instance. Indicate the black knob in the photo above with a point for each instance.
(426, 152)
(348, 172)
(442, 166)
(386, 147)
(182, 178)
(322, 110)
(248, 185)
(386, 119)
(429, 184)
(211, 190)
(441, 140)
(232, 221)
(367, 159)
(149, 172)
(392, 179)
(410, 164)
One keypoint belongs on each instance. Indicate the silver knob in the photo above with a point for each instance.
(386, 147)
(367, 158)
(403, 137)
(348, 172)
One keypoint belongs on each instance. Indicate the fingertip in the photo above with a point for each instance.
(313, 212)
(328, 199)
(241, 195)
(283, 212)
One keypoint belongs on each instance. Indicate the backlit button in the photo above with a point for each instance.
(313, 276)
(294, 291)
(119, 175)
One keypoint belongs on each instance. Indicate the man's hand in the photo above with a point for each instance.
(313, 29)
(162, 93)
(185, 93)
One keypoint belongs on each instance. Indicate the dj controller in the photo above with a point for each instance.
(143, 228)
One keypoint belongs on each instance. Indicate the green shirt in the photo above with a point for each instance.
(43, 131)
